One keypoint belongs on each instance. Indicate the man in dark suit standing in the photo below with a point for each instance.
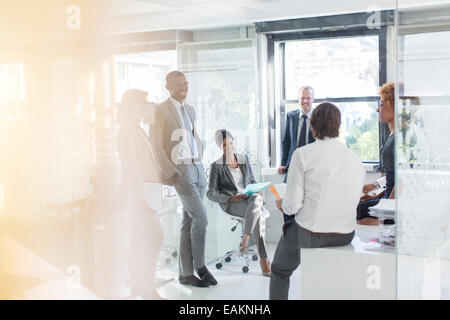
(180, 164)
(298, 132)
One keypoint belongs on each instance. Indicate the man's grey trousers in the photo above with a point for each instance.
(287, 255)
(191, 188)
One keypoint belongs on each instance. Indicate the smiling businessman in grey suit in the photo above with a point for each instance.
(180, 163)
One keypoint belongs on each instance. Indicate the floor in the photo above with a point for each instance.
(251, 286)
(42, 280)
(25, 275)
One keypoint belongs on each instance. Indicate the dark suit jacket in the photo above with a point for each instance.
(165, 137)
(221, 182)
(290, 137)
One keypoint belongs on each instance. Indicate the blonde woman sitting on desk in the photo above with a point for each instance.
(229, 176)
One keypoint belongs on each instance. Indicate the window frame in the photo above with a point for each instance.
(275, 42)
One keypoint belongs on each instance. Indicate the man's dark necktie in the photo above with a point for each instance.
(302, 139)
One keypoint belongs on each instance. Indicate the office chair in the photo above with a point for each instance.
(236, 253)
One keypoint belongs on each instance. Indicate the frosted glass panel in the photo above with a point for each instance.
(425, 56)
(423, 157)
(222, 88)
(222, 78)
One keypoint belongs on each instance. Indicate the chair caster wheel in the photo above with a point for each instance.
(219, 266)
(227, 259)
(255, 257)
(244, 269)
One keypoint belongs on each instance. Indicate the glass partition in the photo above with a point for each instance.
(346, 59)
(61, 206)
(423, 152)
(223, 90)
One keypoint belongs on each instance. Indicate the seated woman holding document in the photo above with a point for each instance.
(323, 188)
(230, 175)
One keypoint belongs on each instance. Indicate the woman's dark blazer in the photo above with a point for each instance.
(221, 182)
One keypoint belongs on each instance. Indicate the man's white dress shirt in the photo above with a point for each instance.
(186, 154)
(324, 186)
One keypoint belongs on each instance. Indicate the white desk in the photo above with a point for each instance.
(348, 272)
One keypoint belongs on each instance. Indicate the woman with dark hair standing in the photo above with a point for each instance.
(323, 188)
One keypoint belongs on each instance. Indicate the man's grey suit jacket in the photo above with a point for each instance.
(221, 181)
(166, 138)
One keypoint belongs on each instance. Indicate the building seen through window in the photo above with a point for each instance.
(344, 71)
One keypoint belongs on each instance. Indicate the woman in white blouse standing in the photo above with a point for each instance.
(323, 189)
(138, 166)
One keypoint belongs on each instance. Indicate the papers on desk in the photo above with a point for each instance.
(375, 245)
(384, 209)
(376, 193)
(385, 241)
(255, 187)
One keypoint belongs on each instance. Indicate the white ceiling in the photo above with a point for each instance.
(147, 15)
(32, 20)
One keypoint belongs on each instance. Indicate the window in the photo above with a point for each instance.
(145, 71)
(336, 67)
(344, 70)
(359, 127)
(223, 90)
